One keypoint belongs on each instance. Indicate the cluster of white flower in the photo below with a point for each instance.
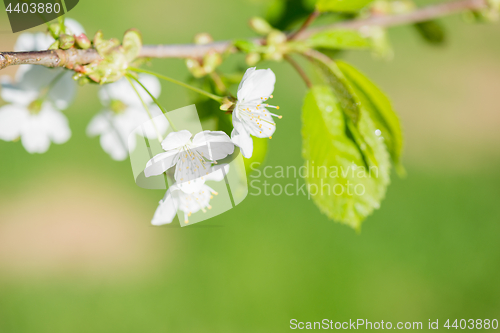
(36, 98)
(124, 112)
(39, 94)
(193, 159)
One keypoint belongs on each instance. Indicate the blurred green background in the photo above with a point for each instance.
(77, 252)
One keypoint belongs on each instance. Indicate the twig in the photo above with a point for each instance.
(70, 58)
(299, 70)
(310, 19)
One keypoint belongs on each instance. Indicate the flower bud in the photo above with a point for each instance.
(276, 37)
(252, 58)
(54, 46)
(260, 26)
(66, 41)
(55, 30)
(195, 68)
(82, 41)
(227, 104)
(211, 60)
(203, 38)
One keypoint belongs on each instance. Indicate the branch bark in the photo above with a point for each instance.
(70, 58)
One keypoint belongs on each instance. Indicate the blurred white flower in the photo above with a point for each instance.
(37, 124)
(32, 115)
(176, 199)
(193, 158)
(124, 112)
(250, 116)
(36, 96)
(35, 78)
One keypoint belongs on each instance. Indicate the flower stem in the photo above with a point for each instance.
(155, 100)
(160, 139)
(182, 84)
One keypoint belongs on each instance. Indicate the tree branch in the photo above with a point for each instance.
(70, 58)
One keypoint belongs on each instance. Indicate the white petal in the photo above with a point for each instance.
(166, 210)
(160, 123)
(258, 84)
(160, 163)
(152, 83)
(115, 91)
(260, 124)
(218, 175)
(175, 140)
(247, 74)
(33, 42)
(64, 91)
(243, 140)
(25, 42)
(98, 125)
(122, 90)
(74, 27)
(215, 145)
(12, 119)
(37, 77)
(114, 145)
(191, 186)
(56, 124)
(34, 136)
(12, 93)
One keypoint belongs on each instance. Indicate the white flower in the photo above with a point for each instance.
(31, 114)
(124, 112)
(36, 124)
(176, 199)
(193, 158)
(35, 78)
(250, 116)
(36, 97)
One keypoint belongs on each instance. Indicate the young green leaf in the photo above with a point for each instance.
(380, 109)
(339, 39)
(337, 178)
(349, 6)
(336, 80)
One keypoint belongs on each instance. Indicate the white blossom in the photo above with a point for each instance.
(250, 116)
(124, 112)
(177, 199)
(36, 96)
(192, 159)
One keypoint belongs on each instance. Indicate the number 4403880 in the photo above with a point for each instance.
(33, 8)
(472, 324)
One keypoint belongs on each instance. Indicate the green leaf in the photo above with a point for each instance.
(380, 109)
(339, 39)
(431, 31)
(335, 79)
(348, 6)
(337, 179)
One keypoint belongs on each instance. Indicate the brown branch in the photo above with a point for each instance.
(299, 70)
(310, 19)
(70, 58)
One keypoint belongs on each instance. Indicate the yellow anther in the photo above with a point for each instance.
(270, 137)
(209, 207)
(280, 117)
(277, 108)
(271, 96)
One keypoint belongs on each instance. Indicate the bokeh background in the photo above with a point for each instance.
(77, 252)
